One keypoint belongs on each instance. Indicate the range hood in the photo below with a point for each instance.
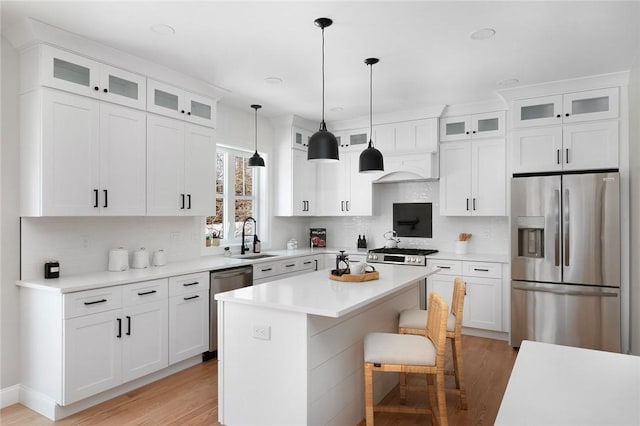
(410, 168)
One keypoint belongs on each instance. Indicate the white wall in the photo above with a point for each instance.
(490, 234)
(10, 222)
(634, 187)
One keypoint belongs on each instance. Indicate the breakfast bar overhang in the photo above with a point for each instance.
(290, 351)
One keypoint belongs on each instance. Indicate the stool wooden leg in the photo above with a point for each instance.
(368, 393)
(431, 391)
(403, 387)
(442, 401)
(459, 370)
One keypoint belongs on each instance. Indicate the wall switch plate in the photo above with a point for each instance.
(262, 332)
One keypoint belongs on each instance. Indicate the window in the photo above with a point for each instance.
(237, 198)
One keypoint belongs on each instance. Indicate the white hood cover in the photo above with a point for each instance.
(409, 168)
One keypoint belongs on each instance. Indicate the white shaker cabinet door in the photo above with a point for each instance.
(330, 188)
(199, 169)
(359, 201)
(144, 339)
(165, 166)
(304, 201)
(455, 179)
(70, 155)
(537, 150)
(489, 176)
(92, 357)
(122, 154)
(483, 303)
(188, 325)
(590, 145)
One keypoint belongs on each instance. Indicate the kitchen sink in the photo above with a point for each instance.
(253, 256)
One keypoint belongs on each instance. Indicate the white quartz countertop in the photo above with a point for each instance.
(471, 257)
(566, 386)
(316, 294)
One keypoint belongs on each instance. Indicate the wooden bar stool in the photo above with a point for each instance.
(425, 354)
(412, 322)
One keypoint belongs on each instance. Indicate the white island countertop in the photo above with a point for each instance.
(315, 293)
(566, 386)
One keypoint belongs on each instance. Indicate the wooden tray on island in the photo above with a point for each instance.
(353, 278)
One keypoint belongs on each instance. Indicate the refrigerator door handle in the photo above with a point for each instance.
(566, 227)
(557, 234)
(566, 292)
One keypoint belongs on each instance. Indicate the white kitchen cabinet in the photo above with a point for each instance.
(285, 268)
(407, 136)
(580, 146)
(341, 189)
(300, 138)
(110, 338)
(81, 157)
(60, 69)
(171, 101)
(180, 168)
(485, 125)
(473, 178)
(483, 299)
(296, 183)
(600, 104)
(188, 325)
(352, 140)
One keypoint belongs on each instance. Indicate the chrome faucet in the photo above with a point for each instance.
(243, 248)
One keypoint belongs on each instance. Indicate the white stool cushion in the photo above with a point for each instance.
(399, 349)
(417, 318)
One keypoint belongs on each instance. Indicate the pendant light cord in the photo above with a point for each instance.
(323, 74)
(370, 104)
(256, 126)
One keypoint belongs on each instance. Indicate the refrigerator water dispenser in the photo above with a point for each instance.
(530, 236)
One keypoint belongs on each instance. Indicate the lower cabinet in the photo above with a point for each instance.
(483, 301)
(188, 316)
(112, 336)
(278, 269)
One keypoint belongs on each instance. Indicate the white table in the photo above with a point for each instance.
(290, 351)
(562, 385)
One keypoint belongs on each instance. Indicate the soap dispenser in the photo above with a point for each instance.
(256, 244)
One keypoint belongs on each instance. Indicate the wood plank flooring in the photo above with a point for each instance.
(190, 397)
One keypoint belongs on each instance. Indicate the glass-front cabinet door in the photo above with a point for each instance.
(200, 110)
(490, 124)
(72, 73)
(591, 105)
(455, 128)
(300, 138)
(537, 111)
(122, 87)
(164, 99)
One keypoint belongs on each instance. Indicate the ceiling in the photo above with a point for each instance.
(427, 57)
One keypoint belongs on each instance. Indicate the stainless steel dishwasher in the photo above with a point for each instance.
(221, 281)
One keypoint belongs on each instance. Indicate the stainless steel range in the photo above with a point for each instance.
(400, 256)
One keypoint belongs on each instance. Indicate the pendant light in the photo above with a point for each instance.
(323, 145)
(371, 159)
(256, 160)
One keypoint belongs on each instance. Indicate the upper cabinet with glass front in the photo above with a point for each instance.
(171, 101)
(473, 126)
(568, 108)
(48, 66)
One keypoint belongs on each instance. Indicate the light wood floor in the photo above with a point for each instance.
(190, 397)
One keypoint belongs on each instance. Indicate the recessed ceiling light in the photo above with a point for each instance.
(483, 34)
(337, 109)
(509, 82)
(163, 29)
(273, 80)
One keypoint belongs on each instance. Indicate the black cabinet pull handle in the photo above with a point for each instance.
(192, 297)
(189, 201)
(347, 204)
(557, 156)
(342, 206)
(467, 204)
(189, 113)
(128, 333)
(567, 155)
(266, 269)
(290, 265)
(467, 133)
(95, 302)
(474, 204)
(474, 132)
(96, 88)
(144, 293)
(119, 328)
(558, 116)
(189, 284)
(480, 270)
(95, 193)
(106, 198)
(444, 267)
(105, 90)
(182, 197)
(182, 111)
(566, 115)
(308, 262)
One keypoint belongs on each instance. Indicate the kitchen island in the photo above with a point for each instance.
(290, 351)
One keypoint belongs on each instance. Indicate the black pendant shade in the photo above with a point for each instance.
(323, 145)
(371, 160)
(256, 160)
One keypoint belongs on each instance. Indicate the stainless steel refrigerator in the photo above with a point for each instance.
(565, 250)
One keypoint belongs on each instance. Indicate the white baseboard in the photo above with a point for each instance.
(9, 396)
(48, 407)
(497, 335)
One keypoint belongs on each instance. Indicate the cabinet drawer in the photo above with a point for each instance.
(264, 270)
(448, 267)
(188, 283)
(308, 263)
(91, 301)
(145, 292)
(288, 265)
(482, 269)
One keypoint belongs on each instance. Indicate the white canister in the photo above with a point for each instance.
(118, 260)
(461, 247)
(140, 259)
(159, 258)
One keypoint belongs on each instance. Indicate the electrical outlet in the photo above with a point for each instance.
(262, 332)
(175, 238)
